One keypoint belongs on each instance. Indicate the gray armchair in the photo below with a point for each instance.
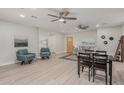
(23, 56)
(45, 53)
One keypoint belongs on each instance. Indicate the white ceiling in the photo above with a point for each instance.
(91, 16)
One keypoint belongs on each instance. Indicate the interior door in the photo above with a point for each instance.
(70, 45)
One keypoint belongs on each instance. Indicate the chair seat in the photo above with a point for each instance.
(99, 66)
(86, 64)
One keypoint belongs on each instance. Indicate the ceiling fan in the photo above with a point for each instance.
(63, 16)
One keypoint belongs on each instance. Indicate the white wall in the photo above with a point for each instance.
(58, 43)
(55, 40)
(7, 33)
(111, 47)
(88, 36)
(43, 35)
(95, 36)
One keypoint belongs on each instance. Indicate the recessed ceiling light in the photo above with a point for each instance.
(97, 25)
(22, 16)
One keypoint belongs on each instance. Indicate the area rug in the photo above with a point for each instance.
(71, 57)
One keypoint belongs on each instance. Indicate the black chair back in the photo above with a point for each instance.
(84, 57)
(101, 52)
(100, 58)
(84, 61)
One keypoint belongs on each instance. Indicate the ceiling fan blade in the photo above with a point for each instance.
(53, 15)
(70, 18)
(54, 20)
(66, 13)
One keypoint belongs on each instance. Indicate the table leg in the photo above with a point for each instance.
(79, 67)
(110, 72)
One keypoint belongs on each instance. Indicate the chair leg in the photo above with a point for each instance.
(22, 62)
(29, 61)
(48, 57)
(79, 70)
(42, 57)
(82, 68)
(89, 73)
(93, 74)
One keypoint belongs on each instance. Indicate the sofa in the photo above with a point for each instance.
(24, 56)
(45, 53)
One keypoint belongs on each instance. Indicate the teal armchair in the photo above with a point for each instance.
(24, 56)
(45, 53)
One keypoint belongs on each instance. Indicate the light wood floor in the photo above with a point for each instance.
(54, 71)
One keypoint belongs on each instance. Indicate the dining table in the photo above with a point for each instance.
(109, 62)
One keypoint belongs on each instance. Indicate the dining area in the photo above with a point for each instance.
(93, 61)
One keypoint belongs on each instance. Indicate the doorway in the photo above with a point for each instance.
(70, 45)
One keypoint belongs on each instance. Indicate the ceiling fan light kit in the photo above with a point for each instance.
(61, 20)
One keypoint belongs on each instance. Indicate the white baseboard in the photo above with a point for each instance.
(13, 62)
(7, 63)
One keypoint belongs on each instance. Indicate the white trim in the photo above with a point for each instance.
(7, 63)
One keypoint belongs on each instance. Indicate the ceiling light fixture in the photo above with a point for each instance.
(22, 16)
(97, 25)
(61, 19)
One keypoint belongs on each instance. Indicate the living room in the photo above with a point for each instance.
(65, 32)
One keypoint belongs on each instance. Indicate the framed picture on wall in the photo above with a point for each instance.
(20, 41)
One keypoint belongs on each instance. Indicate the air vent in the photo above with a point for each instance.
(84, 27)
(35, 17)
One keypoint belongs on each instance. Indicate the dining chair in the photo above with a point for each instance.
(100, 63)
(84, 61)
